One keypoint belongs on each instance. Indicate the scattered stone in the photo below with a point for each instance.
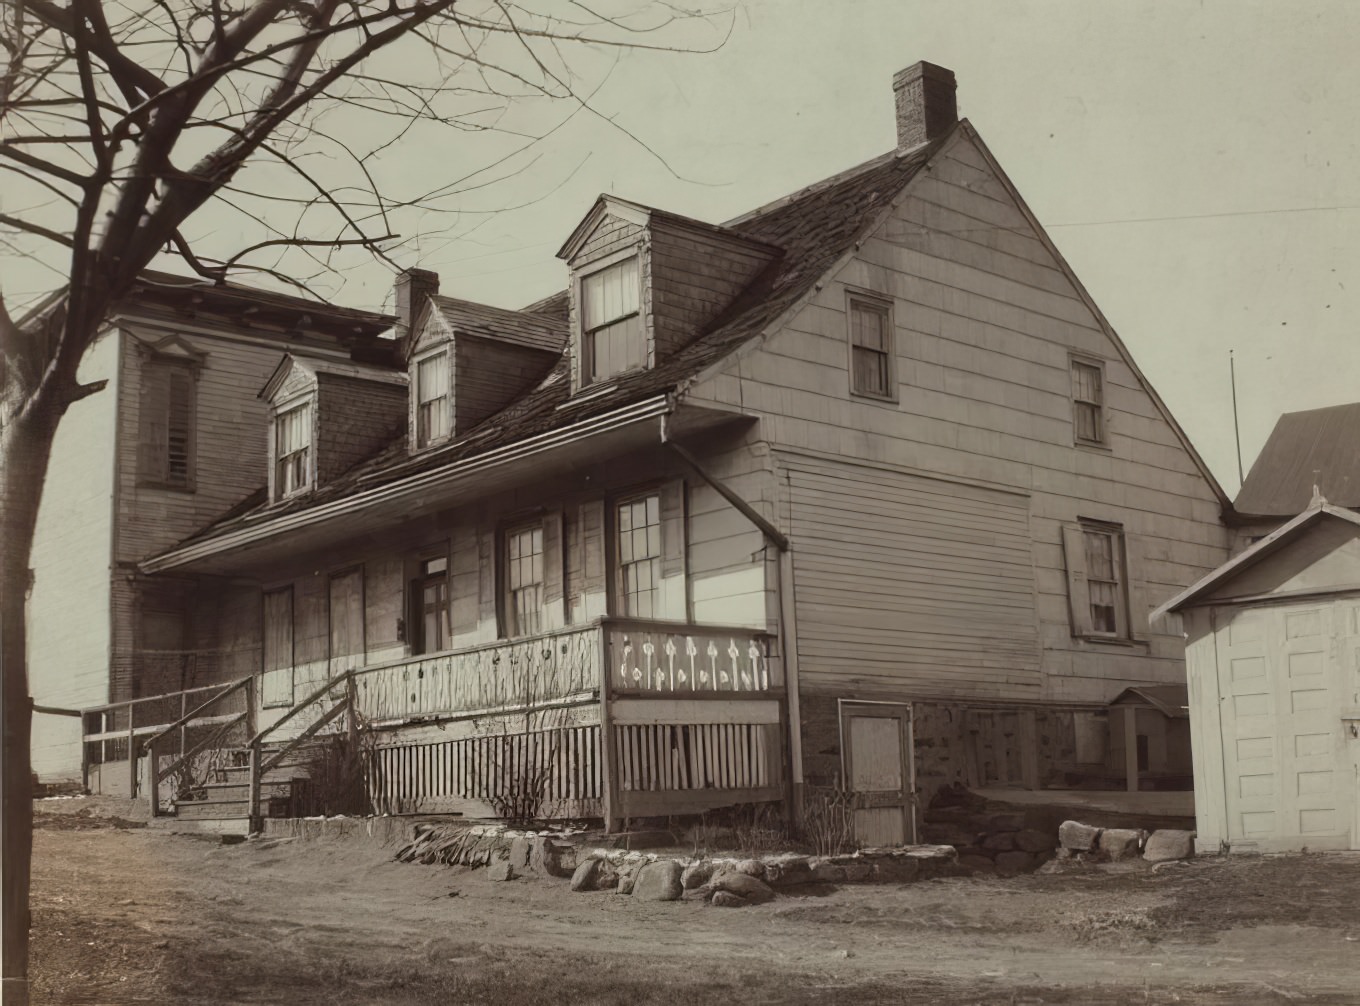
(519, 853)
(606, 877)
(1030, 840)
(726, 899)
(551, 859)
(627, 881)
(1167, 844)
(788, 872)
(750, 889)
(752, 868)
(698, 874)
(1077, 836)
(583, 879)
(1062, 855)
(1120, 843)
(500, 871)
(1000, 842)
(828, 873)
(1005, 822)
(1014, 862)
(659, 881)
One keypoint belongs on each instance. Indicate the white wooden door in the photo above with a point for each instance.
(1287, 784)
(878, 769)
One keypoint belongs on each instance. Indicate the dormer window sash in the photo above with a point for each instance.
(293, 450)
(613, 338)
(432, 398)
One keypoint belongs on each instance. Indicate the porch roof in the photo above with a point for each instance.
(239, 541)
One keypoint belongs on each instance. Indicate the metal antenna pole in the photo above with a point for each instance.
(1237, 432)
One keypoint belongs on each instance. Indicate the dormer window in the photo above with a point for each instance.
(293, 450)
(432, 398)
(612, 336)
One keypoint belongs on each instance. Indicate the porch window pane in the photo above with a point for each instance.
(639, 550)
(524, 580)
(434, 606)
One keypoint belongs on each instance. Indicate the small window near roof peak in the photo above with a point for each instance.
(432, 412)
(612, 336)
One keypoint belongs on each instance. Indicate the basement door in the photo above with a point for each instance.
(877, 754)
(1288, 783)
(347, 621)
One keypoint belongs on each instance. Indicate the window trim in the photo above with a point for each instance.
(1102, 409)
(416, 360)
(876, 302)
(614, 562)
(306, 400)
(506, 620)
(585, 361)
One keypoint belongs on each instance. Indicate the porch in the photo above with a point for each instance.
(616, 719)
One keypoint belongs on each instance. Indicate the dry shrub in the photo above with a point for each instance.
(828, 824)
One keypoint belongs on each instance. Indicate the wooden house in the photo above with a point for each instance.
(1273, 663)
(858, 490)
(170, 444)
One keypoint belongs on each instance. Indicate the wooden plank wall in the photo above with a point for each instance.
(984, 325)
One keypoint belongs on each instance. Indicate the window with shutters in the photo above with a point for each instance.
(433, 394)
(613, 339)
(293, 451)
(871, 348)
(1106, 581)
(638, 524)
(524, 567)
(1088, 402)
(430, 593)
(166, 452)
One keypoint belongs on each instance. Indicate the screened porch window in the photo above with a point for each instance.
(639, 550)
(432, 399)
(611, 321)
(524, 580)
(292, 450)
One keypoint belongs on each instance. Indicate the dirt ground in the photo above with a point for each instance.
(126, 914)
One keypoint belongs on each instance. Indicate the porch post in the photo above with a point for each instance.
(1131, 748)
(153, 777)
(609, 779)
(132, 753)
(253, 797)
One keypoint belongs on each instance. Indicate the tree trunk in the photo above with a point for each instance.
(25, 448)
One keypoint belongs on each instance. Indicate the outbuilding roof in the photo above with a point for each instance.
(1318, 447)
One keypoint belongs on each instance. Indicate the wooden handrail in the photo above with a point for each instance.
(328, 717)
(129, 703)
(298, 707)
(206, 742)
(197, 710)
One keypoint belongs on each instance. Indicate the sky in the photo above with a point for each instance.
(1195, 162)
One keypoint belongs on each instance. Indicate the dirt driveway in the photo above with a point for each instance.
(122, 914)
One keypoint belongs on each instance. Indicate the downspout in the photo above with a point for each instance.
(784, 589)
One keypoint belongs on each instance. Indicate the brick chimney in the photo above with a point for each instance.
(926, 108)
(413, 286)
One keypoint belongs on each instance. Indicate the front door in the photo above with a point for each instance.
(878, 770)
(347, 621)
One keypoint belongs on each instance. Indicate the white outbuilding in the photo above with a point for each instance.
(1273, 667)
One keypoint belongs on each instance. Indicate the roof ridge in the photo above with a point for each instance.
(818, 186)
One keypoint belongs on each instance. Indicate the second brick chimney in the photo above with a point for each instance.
(926, 106)
(413, 286)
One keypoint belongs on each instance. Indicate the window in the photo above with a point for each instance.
(612, 336)
(639, 545)
(1088, 403)
(524, 580)
(1105, 581)
(278, 648)
(292, 450)
(870, 349)
(432, 602)
(432, 398)
(166, 456)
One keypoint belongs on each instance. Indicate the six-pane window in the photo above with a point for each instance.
(432, 399)
(524, 579)
(639, 530)
(870, 349)
(433, 587)
(292, 448)
(1088, 403)
(1105, 580)
(611, 322)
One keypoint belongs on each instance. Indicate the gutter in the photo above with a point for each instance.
(411, 486)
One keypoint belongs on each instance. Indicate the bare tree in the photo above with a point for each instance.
(121, 122)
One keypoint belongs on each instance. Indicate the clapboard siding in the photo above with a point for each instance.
(909, 581)
(72, 551)
(985, 321)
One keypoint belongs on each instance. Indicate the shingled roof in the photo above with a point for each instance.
(1319, 447)
(523, 328)
(815, 228)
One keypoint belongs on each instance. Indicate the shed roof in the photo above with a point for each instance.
(1169, 700)
(1318, 447)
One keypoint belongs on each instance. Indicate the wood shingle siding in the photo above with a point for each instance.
(354, 418)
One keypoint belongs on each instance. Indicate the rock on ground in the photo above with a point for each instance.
(1030, 840)
(1003, 841)
(726, 899)
(500, 871)
(752, 868)
(698, 874)
(1077, 836)
(977, 864)
(1120, 843)
(551, 859)
(659, 881)
(1168, 844)
(750, 889)
(787, 872)
(592, 874)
